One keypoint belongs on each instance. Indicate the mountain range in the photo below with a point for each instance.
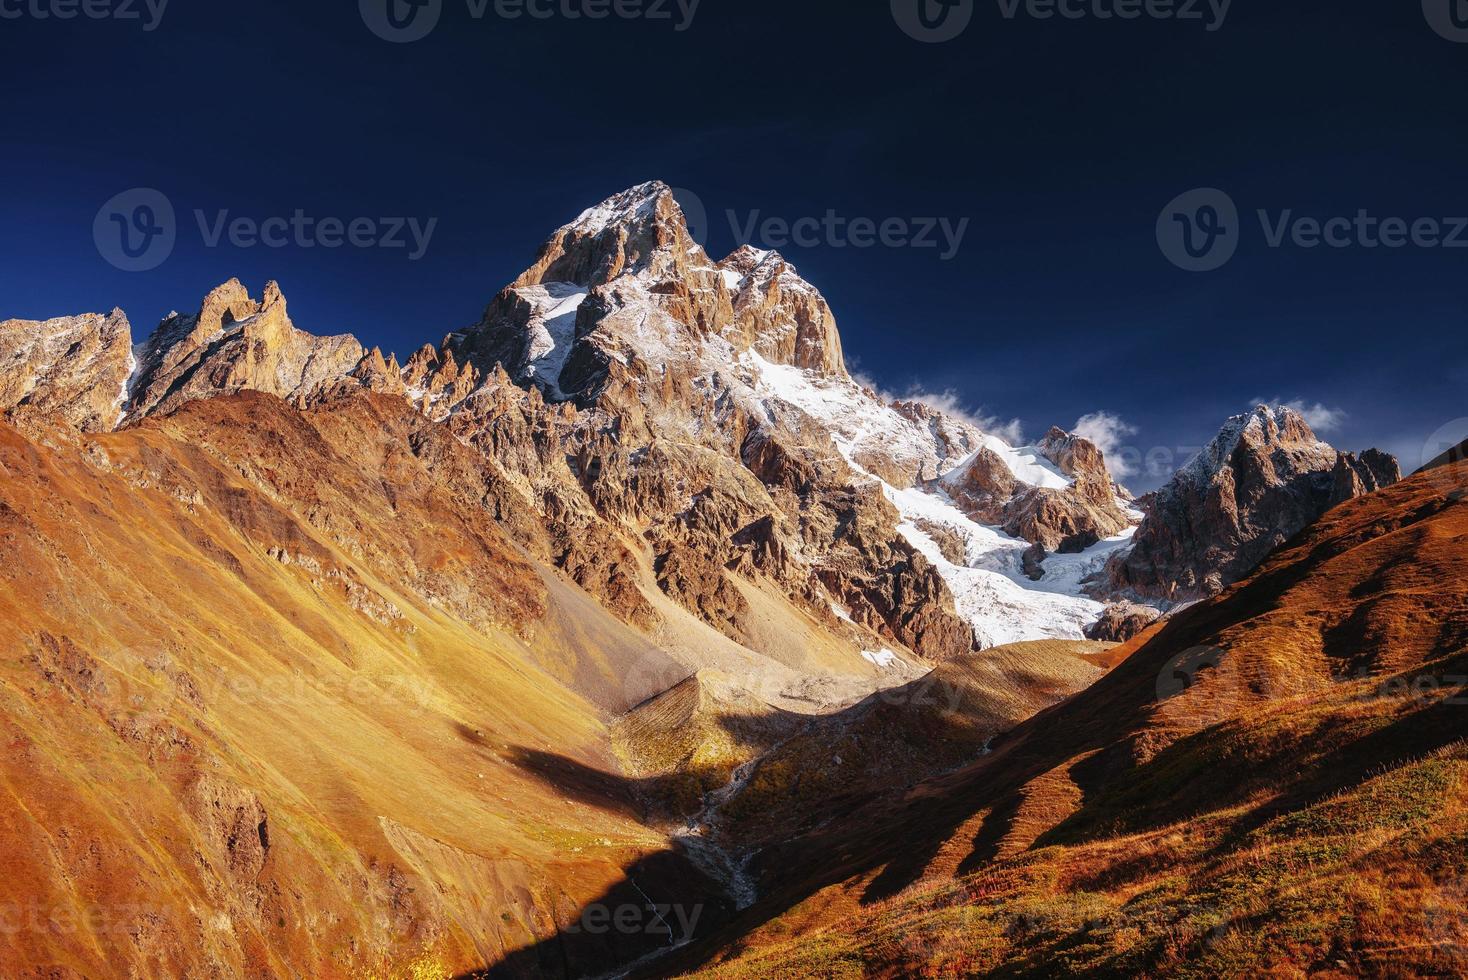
(630, 597)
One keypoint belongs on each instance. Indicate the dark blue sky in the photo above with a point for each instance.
(1060, 141)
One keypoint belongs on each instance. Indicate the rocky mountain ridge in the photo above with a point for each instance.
(614, 382)
(1264, 477)
(635, 549)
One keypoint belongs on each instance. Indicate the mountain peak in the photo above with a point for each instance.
(234, 343)
(1264, 477)
(625, 290)
(746, 259)
(632, 206)
(1265, 428)
(73, 368)
(640, 231)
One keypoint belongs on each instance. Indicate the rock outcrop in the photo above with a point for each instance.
(1121, 622)
(1069, 504)
(74, 369)
(1264, 477)
(235, 344)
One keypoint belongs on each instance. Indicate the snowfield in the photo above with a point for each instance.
(991, 590)
(553, 329)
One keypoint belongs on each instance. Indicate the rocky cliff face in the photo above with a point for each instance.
(1264, 477)
(1072, 507)
(235, 344)
(661, 424)
(623, 294)
(643, 485)
(74, 369)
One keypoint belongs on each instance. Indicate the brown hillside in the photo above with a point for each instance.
(263, 686)
(1272, 783)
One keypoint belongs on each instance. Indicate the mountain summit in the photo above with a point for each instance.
(1261, 480)
(656, 304)
(630, 581)
(668, 378)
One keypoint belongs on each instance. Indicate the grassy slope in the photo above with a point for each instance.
(1301, 808)
(263, 685)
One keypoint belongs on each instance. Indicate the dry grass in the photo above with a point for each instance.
(1302, 809)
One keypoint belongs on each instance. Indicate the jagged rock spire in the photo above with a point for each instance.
(1262, 479)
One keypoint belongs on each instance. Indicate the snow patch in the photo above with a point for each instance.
(1027, 464)
(990, 589)
(125, 397)
(884, 658)
(552, 329)
(858, 422)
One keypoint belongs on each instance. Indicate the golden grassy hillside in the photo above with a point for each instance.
(282, 699)
(1273, 783)
(264, 686)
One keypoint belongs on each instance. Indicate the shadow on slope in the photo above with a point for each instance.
(1274, 719)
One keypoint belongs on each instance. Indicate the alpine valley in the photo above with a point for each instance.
(626, 632)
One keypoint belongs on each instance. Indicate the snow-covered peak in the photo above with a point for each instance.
(760, 268)
(634, 206)
(1027, 464)
(746, 259)
(1266, 426)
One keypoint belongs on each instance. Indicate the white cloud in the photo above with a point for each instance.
(1320, 418)
(1110, 433)
(951, 403)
